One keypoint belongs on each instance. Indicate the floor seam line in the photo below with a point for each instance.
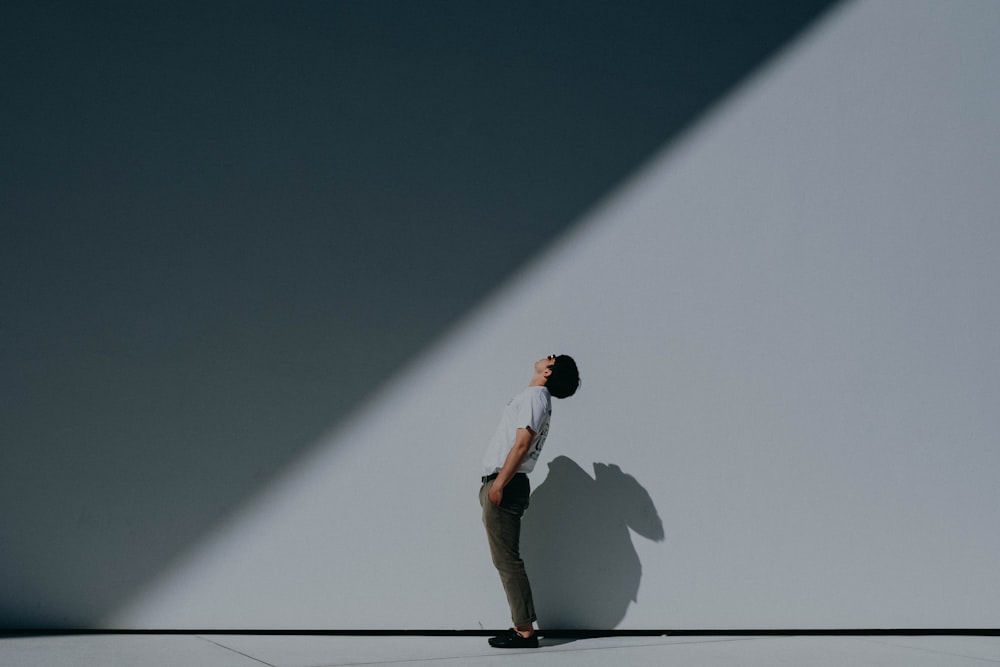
(929, 650)
(232, 650)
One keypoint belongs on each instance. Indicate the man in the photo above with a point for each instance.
(511, 455)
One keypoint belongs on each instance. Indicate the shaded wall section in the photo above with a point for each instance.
(224, 225)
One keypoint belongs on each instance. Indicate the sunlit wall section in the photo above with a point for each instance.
(787, 330)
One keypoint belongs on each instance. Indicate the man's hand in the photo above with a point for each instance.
(495, 494)
(522, 442)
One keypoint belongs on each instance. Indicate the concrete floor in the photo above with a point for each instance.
(205, 650)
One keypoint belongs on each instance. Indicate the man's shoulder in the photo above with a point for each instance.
(536, 393)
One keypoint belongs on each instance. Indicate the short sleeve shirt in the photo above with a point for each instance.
(531, 408)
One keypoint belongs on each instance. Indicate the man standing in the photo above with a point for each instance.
(511, 455)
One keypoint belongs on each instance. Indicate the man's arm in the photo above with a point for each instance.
(522, 443)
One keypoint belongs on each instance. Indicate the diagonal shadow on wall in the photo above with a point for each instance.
(577, 545)
(223, 230)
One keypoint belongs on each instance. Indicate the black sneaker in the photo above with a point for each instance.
(511, 639)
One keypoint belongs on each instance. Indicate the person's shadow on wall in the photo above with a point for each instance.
(575, 542)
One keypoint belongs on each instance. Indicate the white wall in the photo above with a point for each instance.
(221, 233)
(786, 327)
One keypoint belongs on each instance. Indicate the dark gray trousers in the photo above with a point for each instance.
(503, 531)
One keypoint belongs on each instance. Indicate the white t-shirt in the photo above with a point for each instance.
(531, 408)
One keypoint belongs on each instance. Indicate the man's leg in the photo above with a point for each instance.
(503, 531)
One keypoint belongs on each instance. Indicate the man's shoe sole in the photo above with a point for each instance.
(513, 640)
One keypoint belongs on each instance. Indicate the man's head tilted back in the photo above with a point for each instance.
(564, 377)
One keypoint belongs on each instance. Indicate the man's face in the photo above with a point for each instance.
(543, 366)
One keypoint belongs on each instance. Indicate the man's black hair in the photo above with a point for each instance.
(565, 378)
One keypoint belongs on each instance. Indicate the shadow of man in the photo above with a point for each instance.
(576, 544)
